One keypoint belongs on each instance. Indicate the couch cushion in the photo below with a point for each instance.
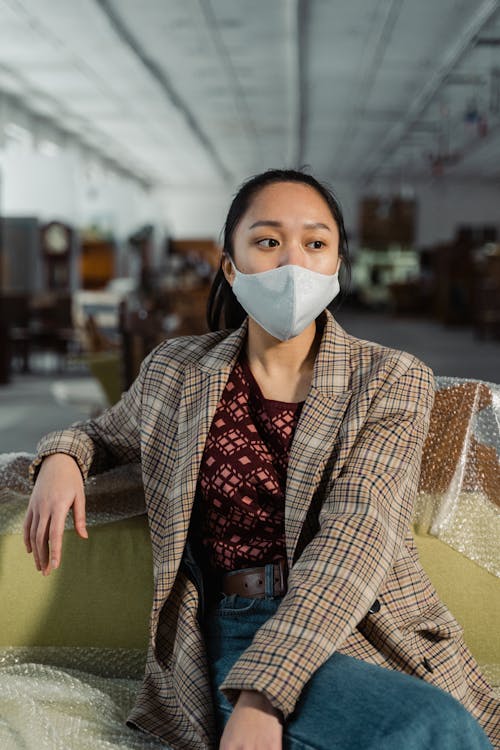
(469, 591)
(99, 596)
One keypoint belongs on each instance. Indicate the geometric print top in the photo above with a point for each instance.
(242, 477)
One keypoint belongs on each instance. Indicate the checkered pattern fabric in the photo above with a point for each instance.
(352, 477)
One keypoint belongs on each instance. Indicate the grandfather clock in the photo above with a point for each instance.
(56, 241)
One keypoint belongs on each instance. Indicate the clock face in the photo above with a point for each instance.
(56, 239)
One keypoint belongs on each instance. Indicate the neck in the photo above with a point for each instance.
(292, 356)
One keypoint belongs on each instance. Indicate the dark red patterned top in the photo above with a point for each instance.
(242, 478)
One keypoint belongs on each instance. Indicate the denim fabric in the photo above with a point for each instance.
(348, 704)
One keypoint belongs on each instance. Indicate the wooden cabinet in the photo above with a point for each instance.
(97, 263)
(387, 221)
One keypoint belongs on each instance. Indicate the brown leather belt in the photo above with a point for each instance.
(258, 582)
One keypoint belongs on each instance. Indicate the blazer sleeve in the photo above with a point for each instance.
(99, 444)
(362, 526)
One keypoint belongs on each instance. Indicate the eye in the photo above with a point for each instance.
(268, 239)
(320, 242)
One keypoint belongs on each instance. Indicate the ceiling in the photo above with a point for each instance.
(206, 92)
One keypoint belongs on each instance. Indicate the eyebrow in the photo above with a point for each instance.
(307, 224)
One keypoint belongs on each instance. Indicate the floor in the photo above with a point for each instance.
(28, 408)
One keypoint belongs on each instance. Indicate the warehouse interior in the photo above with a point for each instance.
(127, 127)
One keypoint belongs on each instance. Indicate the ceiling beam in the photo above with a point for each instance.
(244, 112)
(378, 154)
(380, 39)
(126, 36)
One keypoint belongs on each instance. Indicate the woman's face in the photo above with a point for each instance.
(287, 223)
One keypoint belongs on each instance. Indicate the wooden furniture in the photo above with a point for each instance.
(141, 241)
(4, 354)
(409, 298)
(56, 241)
(190, 307)
(97, 261)
(14, 319)
(37, 322)
(182, 313)
(140, 332)
(196, 248)
(457, 294)
(386, 221)
(486, 294)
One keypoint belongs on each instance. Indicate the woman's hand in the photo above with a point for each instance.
(253, 725)
(58, 486)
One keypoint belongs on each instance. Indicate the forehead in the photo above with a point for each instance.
(289, 200)
(278, 191)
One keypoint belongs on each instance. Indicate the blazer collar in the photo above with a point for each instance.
(332, 367)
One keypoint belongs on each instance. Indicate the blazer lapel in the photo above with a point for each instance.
(317, 429)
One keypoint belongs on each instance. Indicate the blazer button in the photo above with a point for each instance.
(375, 606)
(428, 665)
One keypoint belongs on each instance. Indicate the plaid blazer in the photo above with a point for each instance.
(355, 583)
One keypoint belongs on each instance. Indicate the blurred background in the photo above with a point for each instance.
(126, 126)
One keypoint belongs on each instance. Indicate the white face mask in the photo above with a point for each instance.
(285, 300)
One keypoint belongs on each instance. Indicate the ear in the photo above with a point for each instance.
(227, 269)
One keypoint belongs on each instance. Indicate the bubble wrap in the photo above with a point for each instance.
(110, 496)
(127, 663)
(46, 706)
(60, 698)
(458, 499)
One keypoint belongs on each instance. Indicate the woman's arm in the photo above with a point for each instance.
(363, 524)
(64, 460)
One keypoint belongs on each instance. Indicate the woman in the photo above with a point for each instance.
(280, 461)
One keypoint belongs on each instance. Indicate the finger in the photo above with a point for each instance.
(55, 539)
(26, 529)
(42, 541)
(79, 515)
(34, 547)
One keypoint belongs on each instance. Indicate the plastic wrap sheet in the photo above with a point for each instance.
(48, 695)
(50, 701)
(459, 491)
(110, 496)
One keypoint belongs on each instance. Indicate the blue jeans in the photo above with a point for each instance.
(348, 704)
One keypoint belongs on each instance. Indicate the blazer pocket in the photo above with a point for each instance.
(427, 646)
(439, 661)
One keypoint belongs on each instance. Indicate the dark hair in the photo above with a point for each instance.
(221, 299)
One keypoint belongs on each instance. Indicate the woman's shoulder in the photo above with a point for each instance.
(371, 359)
(181, 350)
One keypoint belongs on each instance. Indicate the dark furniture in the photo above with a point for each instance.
(36, 322)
